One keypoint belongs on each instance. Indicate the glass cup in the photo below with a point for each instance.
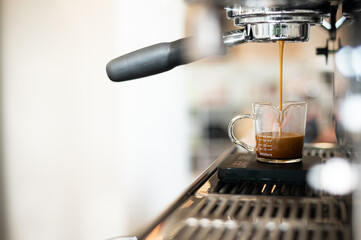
(279, 133)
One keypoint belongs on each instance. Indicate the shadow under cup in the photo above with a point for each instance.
(279, 133)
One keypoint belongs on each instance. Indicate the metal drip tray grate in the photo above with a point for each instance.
(269, 231)
(323, 150)
(262, 189)
(268, 218)
(215, 187)
(245, 210)
(248, 209)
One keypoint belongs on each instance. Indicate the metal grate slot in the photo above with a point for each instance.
(238, 208)
(241, 231)
(248, 210)
(218, 233)
(227, 188)
(262, 210)
(214, 207)
(209, 207)
(300, 190)
(271, 234)
(285, 190)
(252, 233)
(325, 234)
(192, 235)
(296, 234)
(219, 186)
(325, 211)
(201, 205)
(288, 233)
(311, 234)
(186, 232)
(282, 235)
(201, 232)
(287, 211)
(224, 207)
(338, 214)
(230, 233)
(247, 189)
(221, 209)
(246, 232)
(267, 189)
(300, 210)
(275, 211)
(276, 189)
(312, 211)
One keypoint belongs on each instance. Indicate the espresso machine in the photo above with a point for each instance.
(317, 199)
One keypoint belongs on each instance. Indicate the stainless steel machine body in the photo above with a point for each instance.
(210, 209)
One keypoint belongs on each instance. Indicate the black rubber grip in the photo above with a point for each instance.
(151, 60)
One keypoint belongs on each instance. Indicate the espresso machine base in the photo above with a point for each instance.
(248, 209)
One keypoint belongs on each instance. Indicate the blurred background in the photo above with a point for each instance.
(85, 158)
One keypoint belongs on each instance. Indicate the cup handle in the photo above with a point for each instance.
(231, 132)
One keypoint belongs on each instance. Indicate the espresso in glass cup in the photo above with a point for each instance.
(279, 132)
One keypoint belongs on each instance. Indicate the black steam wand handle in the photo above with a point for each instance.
(151, 60)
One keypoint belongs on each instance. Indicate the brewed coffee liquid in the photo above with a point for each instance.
(281, 46)
(274, 145)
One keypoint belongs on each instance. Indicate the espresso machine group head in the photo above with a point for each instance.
(254, 21)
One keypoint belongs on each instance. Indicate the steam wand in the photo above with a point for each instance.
(162, 57)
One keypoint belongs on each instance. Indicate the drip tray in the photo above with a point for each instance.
(239, 167)
(243, 199)
(222, 218)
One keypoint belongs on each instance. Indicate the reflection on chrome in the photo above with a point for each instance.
(350, 114)
(348, 60)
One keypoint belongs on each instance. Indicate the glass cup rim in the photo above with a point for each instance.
(287, 103)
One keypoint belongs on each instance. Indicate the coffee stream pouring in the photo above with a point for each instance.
(270, 22)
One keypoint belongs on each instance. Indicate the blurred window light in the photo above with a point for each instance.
(208, 32)
(348, 61)
(350, 113)
(337, 176)
(343, 61)
(356, 60)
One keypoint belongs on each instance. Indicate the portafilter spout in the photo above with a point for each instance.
(260, 25)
